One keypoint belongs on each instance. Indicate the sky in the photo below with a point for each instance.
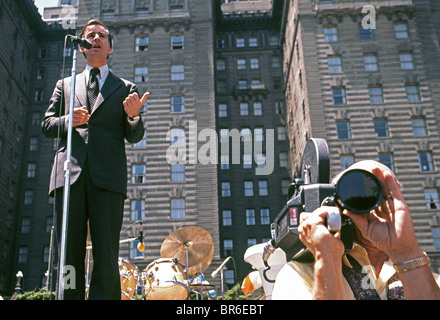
(41, 4)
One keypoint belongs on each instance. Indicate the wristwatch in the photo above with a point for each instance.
(412, 264)
(134, 118)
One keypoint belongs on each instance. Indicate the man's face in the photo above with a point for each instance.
(97, 35)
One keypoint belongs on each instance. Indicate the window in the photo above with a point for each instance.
(248, 188)
(178, 138)
(334, 64)
(251, 242)
(25, 225)
(387, 159)
(244, 109)
(343, 129)
(228, 246)
(224, 162)
(239, 42)
(406, 60)
(177, 72)
(227, 217)
(276, 62)
(370, 62)
(253, 42)
(241, 64)
(177, 208)
(285, 184)
(264, 216)
(401, 30)
(258, 108)
(346, 161)
(330, 34)
(432, 199)
(339, 96)
(176, 11)
(31, 170)
(22, 254)
(425, 161)
(259, 134)
(250, 217)
(222, 110)
(177, 42)
(33, 144)
(255, 63)
(221, 86)
(381, 128)
(262, 188)
(141, 74)
(242, 84)
(221, 64)
(260, 160)
(375, 93)
(38, 97)
(365, 34)
(141, 44)
(436, 236)
(419, 126)
(177, 103)
(138, 173)
(226, 189)
(412, 92)
(134, 252)
(142, 13)
(281, 133)
(178, 172)
(247, 161)
(137, 210)
(36, 118)
(284, 159)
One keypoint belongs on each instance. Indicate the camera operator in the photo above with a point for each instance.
(386, 261)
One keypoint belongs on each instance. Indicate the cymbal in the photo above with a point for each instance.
(199, 243)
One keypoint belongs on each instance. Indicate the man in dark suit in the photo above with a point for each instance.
(106, 111)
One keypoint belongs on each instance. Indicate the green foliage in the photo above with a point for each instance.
(34, 295)
(235, 293)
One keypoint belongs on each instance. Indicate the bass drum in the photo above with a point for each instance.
(165, 280)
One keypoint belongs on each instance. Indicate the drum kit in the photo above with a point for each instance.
(185, 254)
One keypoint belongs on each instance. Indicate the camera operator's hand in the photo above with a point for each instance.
(316, 237)
(389, 227)
(327, 249)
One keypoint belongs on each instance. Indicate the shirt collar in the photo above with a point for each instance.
(103, 72)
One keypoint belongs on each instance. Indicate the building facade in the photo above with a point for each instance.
(253, 180)
(30, 67)
(364, 78)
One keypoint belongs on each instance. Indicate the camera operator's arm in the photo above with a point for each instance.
(390, 229)
(328, 250)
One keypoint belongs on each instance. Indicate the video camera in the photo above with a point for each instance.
(356, 190)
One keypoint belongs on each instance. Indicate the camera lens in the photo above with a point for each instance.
(358, 191)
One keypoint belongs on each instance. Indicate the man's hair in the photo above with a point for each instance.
(97, 22)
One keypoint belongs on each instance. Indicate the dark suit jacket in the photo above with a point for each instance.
(101, 139)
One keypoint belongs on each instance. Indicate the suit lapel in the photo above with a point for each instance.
(81, 88)
(111, 84)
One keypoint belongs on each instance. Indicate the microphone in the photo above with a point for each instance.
(214, 274)
(141, 245)
(82, 42)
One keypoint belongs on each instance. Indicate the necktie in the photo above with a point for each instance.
(92, 88)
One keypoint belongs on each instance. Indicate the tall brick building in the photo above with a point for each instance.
(371, 89)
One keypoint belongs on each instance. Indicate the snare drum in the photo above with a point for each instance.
(128, 274)
(165, 280)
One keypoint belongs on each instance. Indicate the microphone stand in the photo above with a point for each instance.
(67, 167)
